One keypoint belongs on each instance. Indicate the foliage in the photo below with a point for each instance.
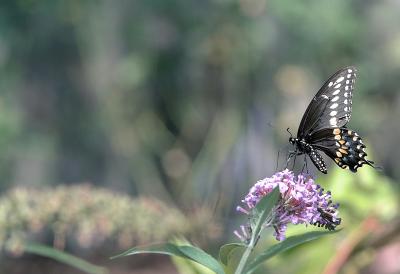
(185, 101)
(63, 257)
(365, 198)
(90, 217)
(233, 257)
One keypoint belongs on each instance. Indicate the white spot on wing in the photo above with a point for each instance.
(324, 96)
(336, 92)
(333, 121)
(335, 98)
(345, 101)
(330, 84)
(340, 79)
(333, 113)
(345, 94)
(337, 86)
(348, 75)
(349, 71)
(334, 106)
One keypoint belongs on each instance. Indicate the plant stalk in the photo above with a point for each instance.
(265, 216)
(253, 241)
(245, 257)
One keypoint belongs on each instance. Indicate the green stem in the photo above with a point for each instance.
(264, 213)
(253, 241)
(245, 257)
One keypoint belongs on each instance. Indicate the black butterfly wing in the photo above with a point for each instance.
(331, 106)
(343, 145)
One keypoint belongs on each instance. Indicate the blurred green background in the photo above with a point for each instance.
(175, 108)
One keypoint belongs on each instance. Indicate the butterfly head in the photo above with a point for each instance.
(291, 139)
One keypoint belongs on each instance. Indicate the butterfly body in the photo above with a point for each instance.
(323, 126)
(305, 148)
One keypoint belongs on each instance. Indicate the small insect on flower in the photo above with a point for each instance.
(301, 201)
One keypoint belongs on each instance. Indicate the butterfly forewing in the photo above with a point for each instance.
(331, 106)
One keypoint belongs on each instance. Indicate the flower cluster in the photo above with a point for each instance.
(302, 202)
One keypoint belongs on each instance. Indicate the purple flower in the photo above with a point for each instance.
(302, 202)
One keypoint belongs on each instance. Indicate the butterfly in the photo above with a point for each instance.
(323, 126)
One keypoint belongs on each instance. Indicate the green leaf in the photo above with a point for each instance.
(164, 249)
(189, 267)
(229, 256)
(264, 208)
(285, 245)
(198, 255)
(185, 251)
(233, 259)
(226, 249)
(63, 257)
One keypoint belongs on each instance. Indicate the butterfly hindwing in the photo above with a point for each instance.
(331, 106)
(343, 145)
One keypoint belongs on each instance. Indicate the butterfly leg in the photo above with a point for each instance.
(305, 164)
(289, 157)
(294, 160)
(305, 160)
(293, 154)
(277, 160)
